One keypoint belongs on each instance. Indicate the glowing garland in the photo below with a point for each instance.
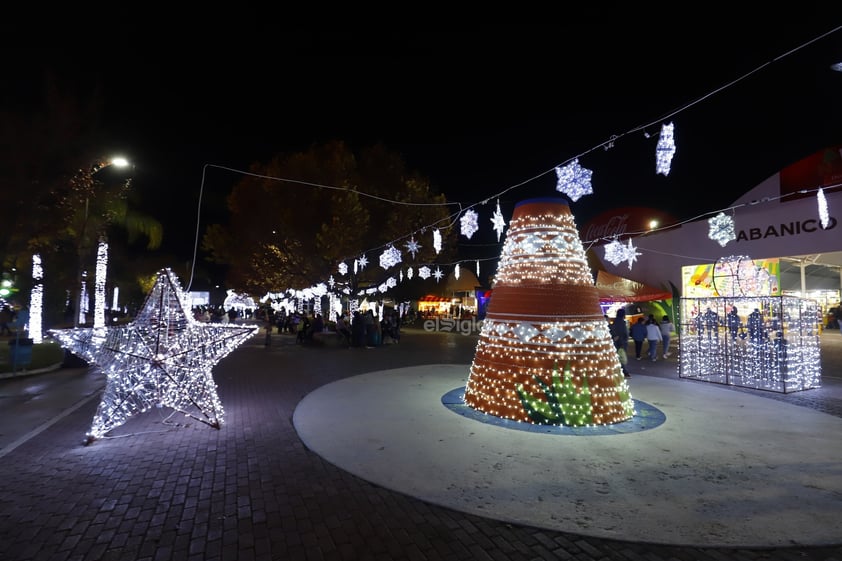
(163, 358)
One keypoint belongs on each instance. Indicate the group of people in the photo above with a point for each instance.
(655, 333)
(362, 329)
(643, 330)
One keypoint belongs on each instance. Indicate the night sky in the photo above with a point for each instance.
(478, 111)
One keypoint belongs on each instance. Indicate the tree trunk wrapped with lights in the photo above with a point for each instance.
(545, 354)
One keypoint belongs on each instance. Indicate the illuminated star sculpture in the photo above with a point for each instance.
(721, 229)
(665, 149)
(574, 180)
(163, 358)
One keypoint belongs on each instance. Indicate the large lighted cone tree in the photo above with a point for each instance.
(545, 354)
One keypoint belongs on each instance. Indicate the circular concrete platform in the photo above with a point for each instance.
(721, 468)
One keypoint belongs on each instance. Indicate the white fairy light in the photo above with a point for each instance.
(823, 212)
(36, 300)
(437, 240)
(665, 149)
(498, 221)
(721, 229)
(163, 358)
(468, 223)
(99, 283)
(574, 180)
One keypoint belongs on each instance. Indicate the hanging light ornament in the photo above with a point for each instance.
(424, 272)
(665, 149)
(438, 274)
(498, 221)
(456, 271)
(413, 246)
(721, 229)
(343, 268)
(574, 180)
(823, 213)
(390, 257)
(437, 240)
(469, 223)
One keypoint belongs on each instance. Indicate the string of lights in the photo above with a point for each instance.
(470, 224)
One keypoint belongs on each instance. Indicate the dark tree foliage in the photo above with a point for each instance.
(331, 205)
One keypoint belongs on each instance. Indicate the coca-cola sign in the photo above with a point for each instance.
(619, 222)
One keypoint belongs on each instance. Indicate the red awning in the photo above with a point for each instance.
(432, 298)
(618, 289)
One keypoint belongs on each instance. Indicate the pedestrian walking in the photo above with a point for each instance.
(638, 335)
(667, 328)
(653, 335)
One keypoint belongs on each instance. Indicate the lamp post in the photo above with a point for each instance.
(84, 181)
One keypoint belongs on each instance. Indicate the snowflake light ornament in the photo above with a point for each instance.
(424, 272)
(469, 223)
(412, 246)
(498, 221)
(665, 149)
(574, 180)
(437, 240)
(390, 257)
(721, 229)
(616, 252)
(343, 268)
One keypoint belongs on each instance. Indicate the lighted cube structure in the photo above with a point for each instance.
(762, 342)
(544, 353)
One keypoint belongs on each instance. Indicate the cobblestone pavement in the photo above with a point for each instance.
(166, 487)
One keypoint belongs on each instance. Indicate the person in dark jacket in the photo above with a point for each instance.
(620, 335)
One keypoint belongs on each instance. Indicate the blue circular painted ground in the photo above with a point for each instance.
(645, 417)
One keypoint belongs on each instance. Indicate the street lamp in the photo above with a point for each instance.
(85, 181)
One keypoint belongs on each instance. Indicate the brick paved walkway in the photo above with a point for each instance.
(166, 487)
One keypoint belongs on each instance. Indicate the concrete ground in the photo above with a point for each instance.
(336, 453)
